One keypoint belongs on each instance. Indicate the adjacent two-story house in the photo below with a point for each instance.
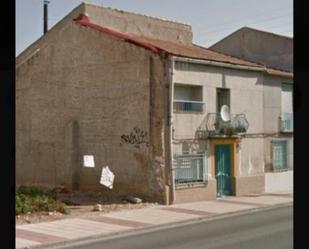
(274, 51)
(174, 121)
(239, 154)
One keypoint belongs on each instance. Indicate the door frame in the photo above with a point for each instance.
(234, 159)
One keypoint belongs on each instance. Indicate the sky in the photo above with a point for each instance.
(211, 20)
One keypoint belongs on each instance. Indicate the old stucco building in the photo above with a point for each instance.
(134, 92)
(275, 51)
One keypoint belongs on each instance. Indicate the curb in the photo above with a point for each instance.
(154, 228)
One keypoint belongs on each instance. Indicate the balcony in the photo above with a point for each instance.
(215, 126)
(286, 122)
(187, 106)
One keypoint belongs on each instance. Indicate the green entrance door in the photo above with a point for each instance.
(223, 169)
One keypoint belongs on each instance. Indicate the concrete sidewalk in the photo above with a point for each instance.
(47, 233)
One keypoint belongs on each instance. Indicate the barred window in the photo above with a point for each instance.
(280, 155)
(188, 99)
(189, 168)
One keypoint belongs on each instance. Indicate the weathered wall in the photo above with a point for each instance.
(246, 87)
(272, 104)
(85, 93)
(272, 112)
(267, 48)
(279, 182)
(275, 181)
(256, 95)
(251, 157)
(140, 24)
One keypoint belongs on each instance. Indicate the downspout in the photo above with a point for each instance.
(171, 175)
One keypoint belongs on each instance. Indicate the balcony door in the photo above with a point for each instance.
(223, 98)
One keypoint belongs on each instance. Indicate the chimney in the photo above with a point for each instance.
(46, 2)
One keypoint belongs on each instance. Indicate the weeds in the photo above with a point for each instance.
(33, 199)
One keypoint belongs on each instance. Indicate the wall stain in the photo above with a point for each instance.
(142, 159)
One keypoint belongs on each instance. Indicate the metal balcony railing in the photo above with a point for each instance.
(286, 122)
(189, 168)
(188, 106)
(216, 126)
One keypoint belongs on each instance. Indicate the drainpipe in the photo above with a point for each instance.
(171, 173)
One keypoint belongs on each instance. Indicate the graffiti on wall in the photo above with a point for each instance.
(137, 137)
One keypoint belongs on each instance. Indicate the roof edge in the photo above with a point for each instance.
(224, 38)
(267, 32)
(252, 29)
(84, 20)
(216, 63)
(138, 14)
(239, 58)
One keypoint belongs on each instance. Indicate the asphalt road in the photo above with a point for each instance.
(271, 229)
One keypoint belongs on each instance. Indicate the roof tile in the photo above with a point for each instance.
(177, 49)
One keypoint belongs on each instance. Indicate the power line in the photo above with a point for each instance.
(285, 30)
(238, 21)
(260, 13)
(280, 25)
(255, 22)
(214, 38)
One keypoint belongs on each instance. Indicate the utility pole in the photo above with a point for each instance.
(46, 2)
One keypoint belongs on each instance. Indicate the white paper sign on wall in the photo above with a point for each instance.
(89, 161)
(107, 177)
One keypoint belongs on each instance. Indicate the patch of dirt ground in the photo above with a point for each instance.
(81, 204)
